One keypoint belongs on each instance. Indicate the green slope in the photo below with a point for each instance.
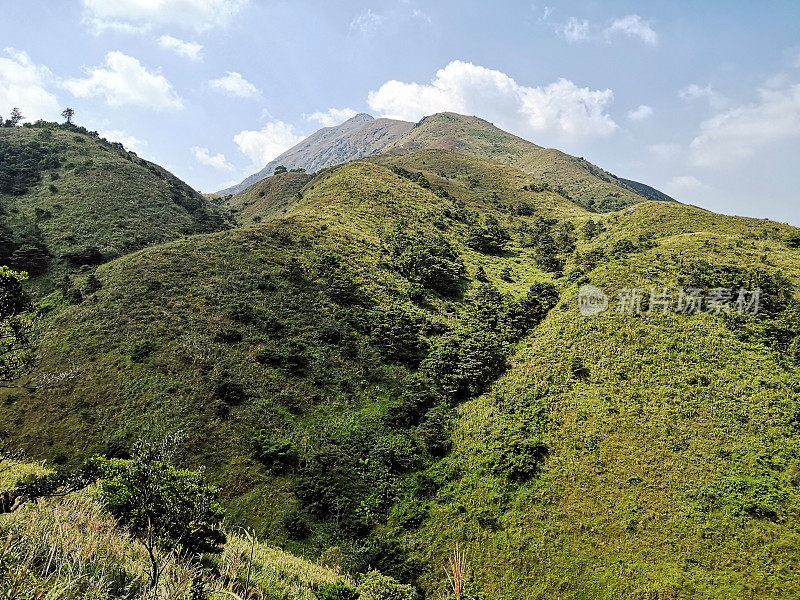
(586, 184)
(71, 200)
(270, 198)
(339, 398)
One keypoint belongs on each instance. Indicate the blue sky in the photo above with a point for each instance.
(699, 99)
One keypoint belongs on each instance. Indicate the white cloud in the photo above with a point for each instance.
(366, 22)
(218, 161)
(665, 151)
(332, 117)
(735, 134)
(271, 141)
(234, 84)
(130, 142)
(640, 113)
(561, 109)
(715, 100)
(574, 30)
(142, 15)
(188, 49)
(123, 80)
(686, 184)
(23, 84)
(632, 26)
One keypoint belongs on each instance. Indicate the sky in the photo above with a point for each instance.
(698, 99)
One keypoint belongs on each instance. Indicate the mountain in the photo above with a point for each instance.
(359, 136)
(575, 178)
(393, 362)
(70, 201)
(586, 184)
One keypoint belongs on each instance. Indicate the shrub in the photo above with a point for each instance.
(336, 591)
(275, 454)
(375, 586)
(164, 507)
(430, 261)
(490, 238)
(517, 447)
(524, 209)
(464, 361)
(398, 335)
(230, 392)
(793, 241)
(296, 527)
(623, 247)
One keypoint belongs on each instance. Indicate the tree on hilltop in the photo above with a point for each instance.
(68, 113)
(16, 117)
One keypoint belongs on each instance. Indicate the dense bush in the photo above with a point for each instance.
(490, 238)
(398, 335)
(429, 260)
(550, 243)
(336, 591)
(21, 165)
(465, 360)
(375, 586)
(166, 508)
(518, 447)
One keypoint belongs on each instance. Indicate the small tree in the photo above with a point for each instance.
(166, 508)
(280, 169)
(16, 117)
(68, 113)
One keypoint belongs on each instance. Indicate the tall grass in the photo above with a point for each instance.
(71, 548)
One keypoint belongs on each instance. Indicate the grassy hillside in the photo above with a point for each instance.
(69, 200)
(670, 442)
(576, 178)
(270, 198)
(370, 373)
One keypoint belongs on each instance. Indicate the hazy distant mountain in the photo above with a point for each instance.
(360, 136)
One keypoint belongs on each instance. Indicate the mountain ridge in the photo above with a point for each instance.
(362, 136)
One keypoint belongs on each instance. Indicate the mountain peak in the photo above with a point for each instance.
(360, 117)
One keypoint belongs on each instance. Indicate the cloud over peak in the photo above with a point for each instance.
(332, 116)
(559, 110)
(268, 143)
